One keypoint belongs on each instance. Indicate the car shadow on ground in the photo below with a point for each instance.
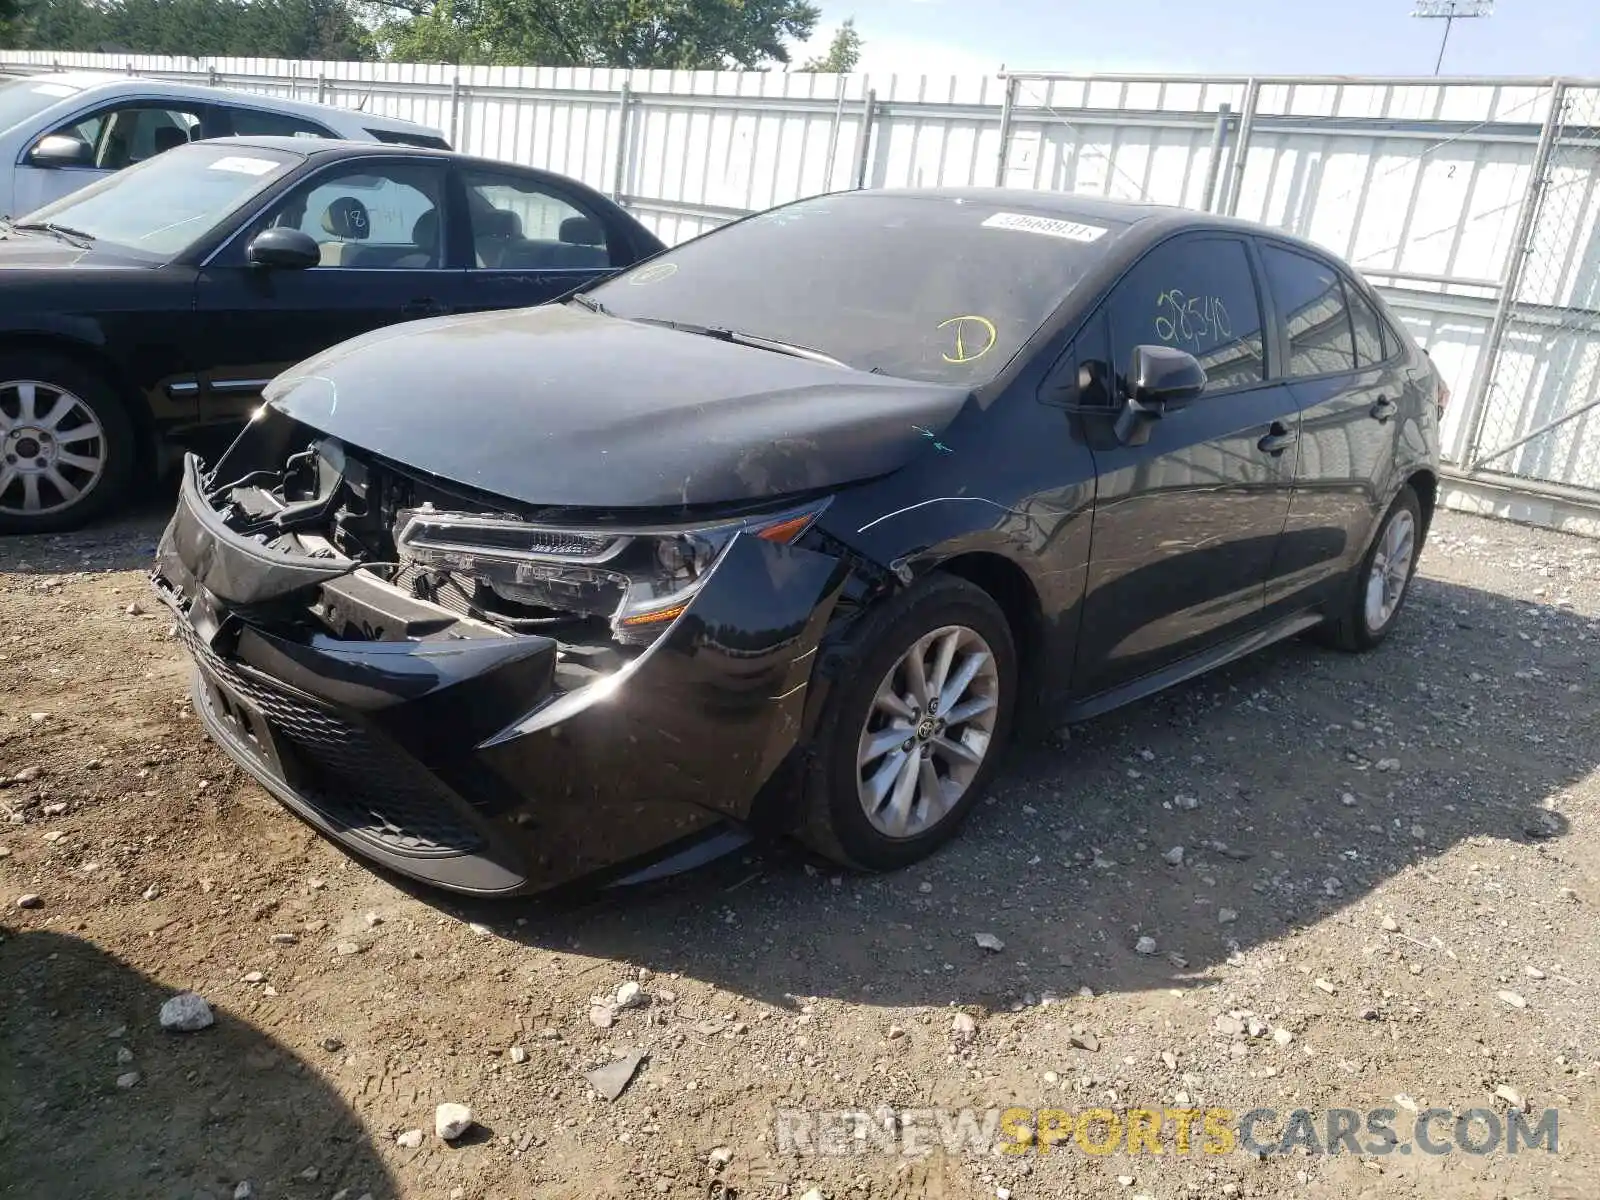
(1319, 776)
(209, 1111)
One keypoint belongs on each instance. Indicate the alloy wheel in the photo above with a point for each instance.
(928, 731)
(1391, 570)
(52, 448)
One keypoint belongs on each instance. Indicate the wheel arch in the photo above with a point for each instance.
(1010, 587)
(1425, 484)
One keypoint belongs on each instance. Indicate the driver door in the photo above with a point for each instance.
(380, 224)
(112, 137)
(1186, 524)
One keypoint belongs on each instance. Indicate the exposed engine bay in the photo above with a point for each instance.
(411, 557)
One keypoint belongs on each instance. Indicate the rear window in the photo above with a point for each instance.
(394, 138)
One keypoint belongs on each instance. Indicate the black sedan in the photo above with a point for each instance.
(151, 308)
(785, 529)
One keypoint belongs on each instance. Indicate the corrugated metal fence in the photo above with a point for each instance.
(1471, 203)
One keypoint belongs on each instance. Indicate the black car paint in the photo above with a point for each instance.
(189, 342)
(1114, 587)
(676, 421)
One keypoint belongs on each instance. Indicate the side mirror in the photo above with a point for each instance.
(290, 249)
(1160, 380)
(61, 150)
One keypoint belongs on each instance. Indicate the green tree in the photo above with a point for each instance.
(844, 52)
(680, 34)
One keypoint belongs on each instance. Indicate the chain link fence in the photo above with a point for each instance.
(1539, 417)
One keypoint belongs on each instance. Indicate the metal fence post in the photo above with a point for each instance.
(1007, 103)
(322, 89)
(619, 176)
(211, 76)
(1483, 377)
(1219, 145)
(869, 111)
(455, 108)
(1241, 149)
(833, 134)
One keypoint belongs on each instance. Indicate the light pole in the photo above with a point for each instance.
(1451, 11)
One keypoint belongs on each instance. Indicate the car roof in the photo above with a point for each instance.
(111, 84)
(309, 147)
(1152, 220)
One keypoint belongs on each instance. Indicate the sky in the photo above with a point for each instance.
(1233, 37)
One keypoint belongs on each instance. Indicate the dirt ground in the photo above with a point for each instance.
(1374, 850)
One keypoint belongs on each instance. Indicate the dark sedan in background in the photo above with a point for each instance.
(783, 529)
(152, 307)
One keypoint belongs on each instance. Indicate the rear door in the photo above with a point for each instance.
(380, 223)
(1186, 525)
(1346, 377)
(532, 240)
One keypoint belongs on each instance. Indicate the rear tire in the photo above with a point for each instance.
(872, 804)
(67, 445)
(1383, 581)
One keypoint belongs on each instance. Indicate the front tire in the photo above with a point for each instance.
(67, 447)
(1383, 580)
(911, 737)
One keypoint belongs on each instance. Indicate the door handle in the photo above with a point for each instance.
(425, 306)
(1278, 439)
(1383, 409)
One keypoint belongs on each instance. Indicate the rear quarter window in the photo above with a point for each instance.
(395, 138)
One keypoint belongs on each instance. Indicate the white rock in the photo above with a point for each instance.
(410, 1139)
(186, 1012)
(1533, 972)
(989, 942)
(124, 1056)
(127, 1080)
(1282, 1036)
(813, 1194)
(518, 1054)
(963, 1027)
(1173, 857)
(1390, 925)
(1346, 799)
(1145, 945)
(1322, 985)
(1187, 803)
(720, 1156)
(244, 1191)
(346, 949)
(253, 977)
(1227, 916)
(450, 1121)
(1514, 1000)
(630, 995)
(30, 900)
(1511, 1096)
(1388, 764)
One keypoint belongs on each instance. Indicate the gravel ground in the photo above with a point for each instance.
(1389, 870)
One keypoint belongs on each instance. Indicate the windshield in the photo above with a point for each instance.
(22, 98)
(167, 202)
(928, 288)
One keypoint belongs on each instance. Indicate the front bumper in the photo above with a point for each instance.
(459, 760)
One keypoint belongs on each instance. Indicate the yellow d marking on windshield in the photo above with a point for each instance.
(975, 337)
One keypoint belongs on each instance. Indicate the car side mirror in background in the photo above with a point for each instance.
(1160, 380)
(290, 249)
(61, 150)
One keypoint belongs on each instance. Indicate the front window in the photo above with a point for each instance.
(24, 98)
(165, 204)
(940, 290)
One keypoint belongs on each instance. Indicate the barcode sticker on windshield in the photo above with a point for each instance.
(244, 166)
(1049, 226)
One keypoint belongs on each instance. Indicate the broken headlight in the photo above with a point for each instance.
(638, 580)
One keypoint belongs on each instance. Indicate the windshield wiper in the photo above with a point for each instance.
(65, 233)
(585, 300)
(753, 340)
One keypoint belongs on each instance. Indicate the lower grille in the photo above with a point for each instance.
(358, 781)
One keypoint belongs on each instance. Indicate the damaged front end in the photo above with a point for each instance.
(489, 697)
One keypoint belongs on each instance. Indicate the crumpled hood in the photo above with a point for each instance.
(560, 406)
